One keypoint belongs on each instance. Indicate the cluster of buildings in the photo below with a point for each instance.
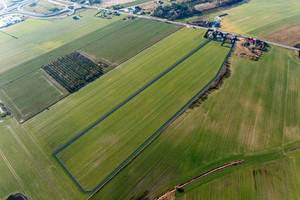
(216, 22)
(208, 24)
(249, 41)
(3, 111)
(104, 13)
(9, 20)
(218, 35)
(133, 10)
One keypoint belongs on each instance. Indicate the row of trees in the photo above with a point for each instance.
(175, 11)
(189, 7)
(74, 71)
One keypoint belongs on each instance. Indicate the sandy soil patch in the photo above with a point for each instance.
(289, 36)
(168, 196)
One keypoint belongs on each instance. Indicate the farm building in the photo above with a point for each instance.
(216, 22)
(132, 10)
(220, 35)
(251, 41)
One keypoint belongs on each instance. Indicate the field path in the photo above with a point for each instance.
(14, 173)
(161, 197)
(42, 172)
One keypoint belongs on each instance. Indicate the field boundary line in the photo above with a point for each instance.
(148, 46)
(131, 97)
(45, 176)
(161, 129)
(115, 109)
(292, 149)
(60, 56)
(180, 186)
(14, 173)
(62, 96)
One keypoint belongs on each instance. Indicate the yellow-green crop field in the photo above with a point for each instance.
(260, 18)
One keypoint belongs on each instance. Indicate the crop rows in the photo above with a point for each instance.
(74, 71)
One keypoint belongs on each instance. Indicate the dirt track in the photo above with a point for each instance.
(170, 193)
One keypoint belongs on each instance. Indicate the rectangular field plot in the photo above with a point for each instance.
(119, 44)
(74, 71)
(100, 150)
(31, 94)
(60, 122)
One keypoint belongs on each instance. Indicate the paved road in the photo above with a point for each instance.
(16, 9)
(10, 9)
(190, 26)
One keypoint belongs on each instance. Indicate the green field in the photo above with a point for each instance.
(43, 90)
(261, 17)
(60, 123)
(254, 116)
(100, 36)
(39, 41)
(41, 6)
(256, 110)
(125, 39)
(26, 169)
(276, 179)
(127, 128)
(30, 168)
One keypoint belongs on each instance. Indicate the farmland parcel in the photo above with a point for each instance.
(43, 90)
(33, 53)
(37, 37)
(60, 123)
(100, 150)
(261, 18)
(276, 179)
(256, 110)
(26, 169)
(119, 44)
(26, 159)
(130, 37)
